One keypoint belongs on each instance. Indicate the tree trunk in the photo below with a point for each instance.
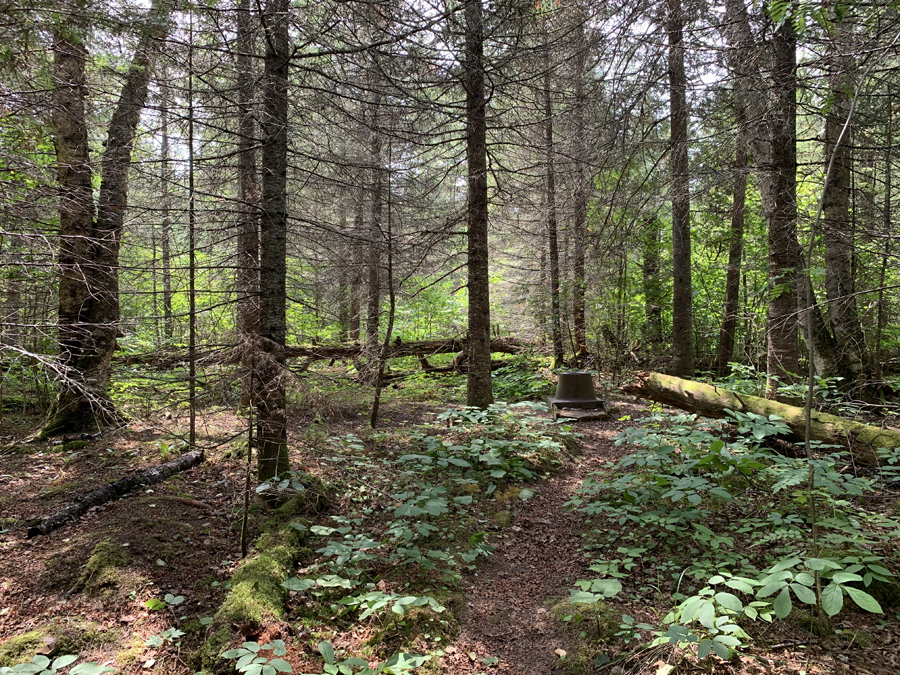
(89, 254)
(881, 320)
(376, 237)
(550, 200)
(780, 205)
(166, 234)
(479, 391)
(725, 349)
(582, 186)
(843, 317)
(704, 399)
(651, 282)
(247, 277)
(682, 297)
(270, 400)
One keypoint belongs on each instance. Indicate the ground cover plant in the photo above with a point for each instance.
(417, 505)
(710, 524)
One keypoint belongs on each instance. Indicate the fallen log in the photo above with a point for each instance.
(419, 348)
(115, 489)
(862, 440)
(454, 369)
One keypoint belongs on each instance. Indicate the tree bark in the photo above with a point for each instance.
(582, 183)
(479, 391)
(682, 296)
(247, 278)
(725, 349)
(843, 317)
(270, 399)
(89, 253)
(552, 221)
(376, 237)
(650, 281)
(704, 399)
(166, 203)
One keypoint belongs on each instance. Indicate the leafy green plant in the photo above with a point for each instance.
(396, 665)
(168, 636)
(42, 665)
(250, 662)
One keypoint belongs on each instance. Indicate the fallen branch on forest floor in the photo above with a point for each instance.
(862, 440)
(115, 489)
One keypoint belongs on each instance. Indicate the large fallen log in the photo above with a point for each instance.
(419, 348)
(423, 348)
(115, 489)
(862, 440)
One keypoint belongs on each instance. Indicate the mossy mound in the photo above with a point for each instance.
(107, 572)
(503, 518)
(75, 446)
(256, 598)
(66, 639)
(20, 648)
(408, 633)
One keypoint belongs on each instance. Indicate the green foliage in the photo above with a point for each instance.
(672, 504)
(521, 380)
(42, 665)
(250, 662)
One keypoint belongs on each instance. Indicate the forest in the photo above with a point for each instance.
(291, 294)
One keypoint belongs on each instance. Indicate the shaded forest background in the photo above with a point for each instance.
(190, 189)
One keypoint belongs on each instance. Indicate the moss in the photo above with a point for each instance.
(407, 633)
(107, 574)
(20, 648)
(256, 596)
(71, 639)
(206, 658)
(503, 518)
(74, 446)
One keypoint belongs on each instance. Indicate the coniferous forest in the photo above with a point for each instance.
(291, 298)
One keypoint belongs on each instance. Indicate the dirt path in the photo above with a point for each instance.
(508, 602)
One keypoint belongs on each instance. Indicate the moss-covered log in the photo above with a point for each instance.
(256, 599)
(862, 440)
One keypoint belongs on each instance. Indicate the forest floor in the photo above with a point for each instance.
(84, 589)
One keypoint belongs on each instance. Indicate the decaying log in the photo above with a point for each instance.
(438, 370)
(115, 489)
(420, 349)
(862, 440)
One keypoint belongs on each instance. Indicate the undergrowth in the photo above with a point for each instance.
(707, 524)
(415, 512)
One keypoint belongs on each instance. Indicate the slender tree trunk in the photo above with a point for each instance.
(376, 237)
(581, 191)
(247, 278)
(356, 279)
(682, 297)
(651, 283)
(881, 320)
(166, 233)
(89, 282)
(552, 221)
(270, 401)
(479, 391)
(850, 347)
(725, 349)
